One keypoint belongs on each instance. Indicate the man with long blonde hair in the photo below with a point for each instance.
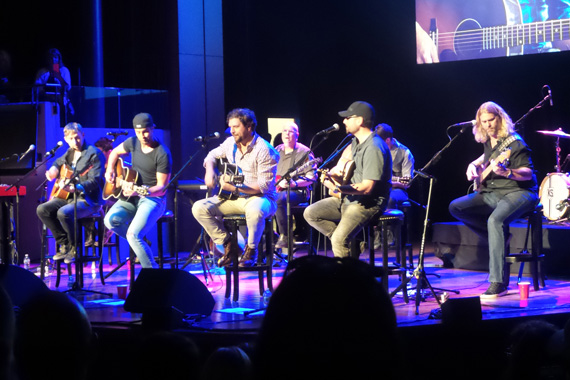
(506, 193)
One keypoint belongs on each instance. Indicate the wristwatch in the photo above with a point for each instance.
(336, 190)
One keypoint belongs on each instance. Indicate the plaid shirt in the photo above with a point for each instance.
(258, 164)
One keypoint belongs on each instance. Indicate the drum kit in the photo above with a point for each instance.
(554, 190)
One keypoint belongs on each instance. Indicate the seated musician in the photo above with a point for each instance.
(254, 196)
(140, 204)
(402, 166)
(290, 152)
(367, 195)
(58, 213)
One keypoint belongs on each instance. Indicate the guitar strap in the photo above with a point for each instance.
(506, 142)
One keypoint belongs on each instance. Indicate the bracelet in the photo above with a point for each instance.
(510, 175)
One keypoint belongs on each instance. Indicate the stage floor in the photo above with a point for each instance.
(431, 348)
(239, 316)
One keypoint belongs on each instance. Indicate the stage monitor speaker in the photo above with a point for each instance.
(461, 310)
(167, 289)
(20, 284)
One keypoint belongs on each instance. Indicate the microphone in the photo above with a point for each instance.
(115, 134)
(422, 174)
(55, 148)
(30, 149)
(465, 124)
(334, 128)
(549, 95)
(211, 136)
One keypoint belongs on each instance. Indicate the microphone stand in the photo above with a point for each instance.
(287, 176)
(419, 273)
(77, 285)
(200, 246)
(519, 122)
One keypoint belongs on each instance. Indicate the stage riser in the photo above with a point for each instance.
(468, 251)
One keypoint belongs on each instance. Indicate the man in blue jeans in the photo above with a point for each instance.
(505, 193)
(340, 219)
(140, 204)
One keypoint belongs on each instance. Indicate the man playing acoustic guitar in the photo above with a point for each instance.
(367, 195)
(57, 214)
(254, 196)
(141, 190)
(506, 192)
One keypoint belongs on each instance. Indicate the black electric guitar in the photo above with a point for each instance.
(124, 176)
(235, 174)
(484, 28)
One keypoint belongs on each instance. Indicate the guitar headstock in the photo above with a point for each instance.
(142, 190)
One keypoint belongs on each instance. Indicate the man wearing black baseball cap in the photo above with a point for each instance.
(367, 195)
(142, 203)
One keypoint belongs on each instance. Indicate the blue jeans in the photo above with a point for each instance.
(340, 221)
(58, 216)
(489, 215)
(134, 221)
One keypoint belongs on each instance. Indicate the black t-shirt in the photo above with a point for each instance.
(148, 164)
(519, 157)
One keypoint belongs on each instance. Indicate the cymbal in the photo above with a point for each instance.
(557, 133)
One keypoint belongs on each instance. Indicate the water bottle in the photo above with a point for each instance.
(70, 281)
(93, 270)
(266, 296)
(27, 262)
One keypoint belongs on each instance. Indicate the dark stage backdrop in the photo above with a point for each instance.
(311, 59)
(308, 60)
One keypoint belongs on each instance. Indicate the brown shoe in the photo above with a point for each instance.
(249, 257)
(230, 251)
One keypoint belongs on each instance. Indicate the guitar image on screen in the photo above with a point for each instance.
(464, 30)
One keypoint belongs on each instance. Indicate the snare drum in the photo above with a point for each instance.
(554, 195)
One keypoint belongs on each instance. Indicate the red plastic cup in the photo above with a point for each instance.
(524, 289)
(122, 291)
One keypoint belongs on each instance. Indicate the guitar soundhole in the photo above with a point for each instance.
(468, 42)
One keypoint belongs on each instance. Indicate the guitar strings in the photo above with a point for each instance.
(506, 36)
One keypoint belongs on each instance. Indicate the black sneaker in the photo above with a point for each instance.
(496, 289)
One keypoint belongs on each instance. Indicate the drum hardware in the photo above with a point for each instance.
(559, 133)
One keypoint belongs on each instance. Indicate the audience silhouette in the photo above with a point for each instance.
(53, 325)
(7, 328)
(227, 363)
(329, 318)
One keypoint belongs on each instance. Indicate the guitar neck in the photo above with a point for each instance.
(517, 35)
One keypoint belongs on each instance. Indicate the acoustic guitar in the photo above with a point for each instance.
(125, 175)
(342, 173)
(59, 189)
(235, 178)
